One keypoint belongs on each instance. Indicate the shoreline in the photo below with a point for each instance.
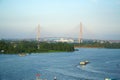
(56, 51)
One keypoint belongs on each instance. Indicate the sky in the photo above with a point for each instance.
(60, 18)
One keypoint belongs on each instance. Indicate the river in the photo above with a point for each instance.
(64, 65)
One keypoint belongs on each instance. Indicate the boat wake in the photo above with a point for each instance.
(99, 71)
(70, 74)
(89, 69)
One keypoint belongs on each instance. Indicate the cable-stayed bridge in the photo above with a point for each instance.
(70, 35)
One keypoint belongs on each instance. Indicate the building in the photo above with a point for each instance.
(65, 40)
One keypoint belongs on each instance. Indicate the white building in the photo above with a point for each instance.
(65, 40)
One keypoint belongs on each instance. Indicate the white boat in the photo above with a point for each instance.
(22, 54)
(107, 79)
(84, 62)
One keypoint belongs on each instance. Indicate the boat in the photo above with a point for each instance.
(38, 77)
(22, 54)
(84, 62)
(55, 78)
(76, 49)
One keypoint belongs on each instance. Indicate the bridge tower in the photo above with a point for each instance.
(80, 34)
(38, 35)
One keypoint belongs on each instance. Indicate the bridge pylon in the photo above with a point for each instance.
(80, 34)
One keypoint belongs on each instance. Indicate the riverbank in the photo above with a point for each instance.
(98, 45)
(86, 47)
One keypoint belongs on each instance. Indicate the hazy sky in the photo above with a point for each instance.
(60, 18)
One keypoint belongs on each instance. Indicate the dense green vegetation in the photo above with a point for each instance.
(99, 45)
(33, 47)
(113, 45)
(17, 47)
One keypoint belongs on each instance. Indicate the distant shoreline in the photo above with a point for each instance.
(86, 47)
(95, 47)
(98, 45)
